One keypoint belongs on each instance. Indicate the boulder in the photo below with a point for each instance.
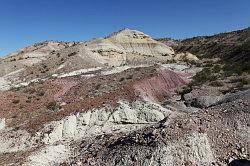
(208, 101)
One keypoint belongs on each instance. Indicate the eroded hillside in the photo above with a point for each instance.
(125, 99)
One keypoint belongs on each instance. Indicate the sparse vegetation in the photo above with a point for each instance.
(16, 101)
(98, 86)
(130, 76)
(172, 61)
(206, 75)
(28, 101)
(53, 106)
(216, 83)
(208, 64)
(184, 90)
(14, 59)
(40, 93)
(242, 80)
(192, 62)
(121, 79)
(72, 54)
(236, 68)
(246, 46)
(15, 88)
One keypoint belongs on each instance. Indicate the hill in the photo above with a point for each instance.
(125, 99)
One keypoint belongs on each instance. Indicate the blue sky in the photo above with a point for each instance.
(24, 22)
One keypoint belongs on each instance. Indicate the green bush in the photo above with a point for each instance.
(246, 46)
(203, 76)
(236, 68)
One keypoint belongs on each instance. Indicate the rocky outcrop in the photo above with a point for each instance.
(201, 101)
(125, 45)
(186, 56)
(239, 162)
(148, 149)
(48, 156)
(193, 139)
(208, 101)
(14, 141)
(124, 118)
(4, 84)
(2, 124)
(7, 81)
(170, 154)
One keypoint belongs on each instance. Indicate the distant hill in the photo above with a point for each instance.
(232, 48)
(231, 45)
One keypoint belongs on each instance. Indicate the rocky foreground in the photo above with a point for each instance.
(126, 99)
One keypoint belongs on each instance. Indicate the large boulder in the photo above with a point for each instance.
(208, 101)
(201, 101)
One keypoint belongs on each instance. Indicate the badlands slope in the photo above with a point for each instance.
(126, 47)
(115, 101)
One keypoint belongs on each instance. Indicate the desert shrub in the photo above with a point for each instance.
(209, 64)
(184, 90)
(216, 83)
(172, 61)
(16, 101)
(198, 64)
(216, 68)
(121, 79)
(44, 66)
(40, 93)
(72, 54)
(236, 68)
(28, 101)
(206, 75)
(53, 106)
(98, 86)
(130, 76)
(192, 62)
(13, 60)
(245, 46)
(243, 81)
(15, 88)
(40, 81)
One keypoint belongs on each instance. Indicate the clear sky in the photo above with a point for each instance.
(24, 22)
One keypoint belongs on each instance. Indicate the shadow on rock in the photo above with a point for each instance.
(240, 162)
